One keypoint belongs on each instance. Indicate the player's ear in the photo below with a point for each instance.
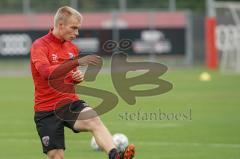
(60, 24)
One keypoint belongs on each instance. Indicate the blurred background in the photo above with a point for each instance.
(197, 40)
(168, 27)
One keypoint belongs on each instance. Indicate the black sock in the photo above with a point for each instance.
(113, 153)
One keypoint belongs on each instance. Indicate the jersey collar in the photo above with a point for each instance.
(54, 38)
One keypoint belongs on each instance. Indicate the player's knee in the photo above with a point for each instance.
(88, 121)
(55, 154)
(94, 123)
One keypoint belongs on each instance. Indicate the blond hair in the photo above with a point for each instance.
(64, 13)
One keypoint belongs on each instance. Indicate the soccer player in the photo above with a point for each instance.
(52, 52)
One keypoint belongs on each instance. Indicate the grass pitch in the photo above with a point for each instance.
(209, 130)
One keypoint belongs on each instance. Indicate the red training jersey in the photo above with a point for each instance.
(47, 54)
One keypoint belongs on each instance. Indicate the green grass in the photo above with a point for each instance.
(213, 132)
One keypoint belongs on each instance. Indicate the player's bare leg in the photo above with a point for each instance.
(103, 137)
(98, 129)
(56, 154)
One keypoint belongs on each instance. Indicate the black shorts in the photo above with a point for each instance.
(50, 125)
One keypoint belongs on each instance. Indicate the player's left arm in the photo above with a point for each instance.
(77, 76)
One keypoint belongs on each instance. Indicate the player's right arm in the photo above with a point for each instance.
(41, 62)
(39, 58)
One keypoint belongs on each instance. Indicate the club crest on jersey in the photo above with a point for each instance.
(54, 58)
(45, 140)
(71, 56)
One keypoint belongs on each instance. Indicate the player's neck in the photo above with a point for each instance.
(55, 32)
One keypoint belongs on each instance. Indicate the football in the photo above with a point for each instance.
(121, 141)
(94, 145)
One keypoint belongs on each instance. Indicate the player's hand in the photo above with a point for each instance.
(89, 60)
(78, 76)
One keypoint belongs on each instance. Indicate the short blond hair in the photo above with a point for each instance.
(64, 13)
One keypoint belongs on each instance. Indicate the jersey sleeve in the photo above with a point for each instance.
(76, 54)
(40, 60)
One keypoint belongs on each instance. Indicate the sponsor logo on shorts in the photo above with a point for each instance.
(45, 140)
